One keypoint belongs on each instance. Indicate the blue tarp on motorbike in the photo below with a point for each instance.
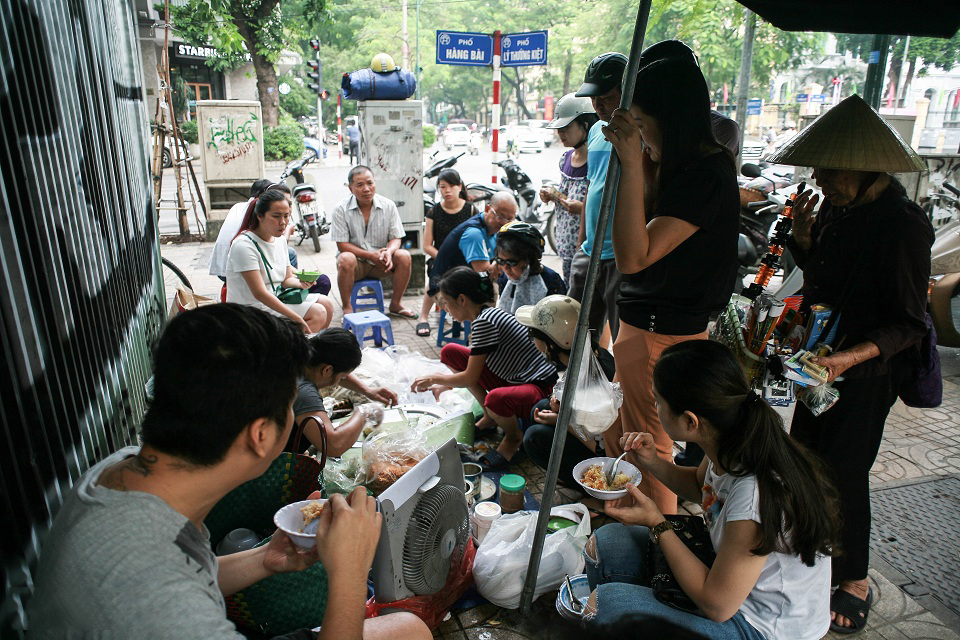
(364, 84)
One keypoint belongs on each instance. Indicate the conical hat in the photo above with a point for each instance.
(851, 136)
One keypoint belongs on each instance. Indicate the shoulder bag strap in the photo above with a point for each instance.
(266, 263)
(323, 438)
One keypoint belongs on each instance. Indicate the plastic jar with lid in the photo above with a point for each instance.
(511, 492)
(483, 518)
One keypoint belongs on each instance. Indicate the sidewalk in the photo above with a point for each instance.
(915, 511)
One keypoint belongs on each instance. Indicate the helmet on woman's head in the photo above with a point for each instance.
(554, 316)
(383, 63)
(525, 232)
(568, 109)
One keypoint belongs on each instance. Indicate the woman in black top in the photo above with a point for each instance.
(452, 209)
(867, 254)
(675, 233)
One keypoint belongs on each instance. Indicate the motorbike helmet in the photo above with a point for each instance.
(568, 109)
(383, 63)
(554, 316)
(525, 232)
(603, 74)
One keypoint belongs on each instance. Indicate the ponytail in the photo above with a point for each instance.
(799, 507)
(464, 281)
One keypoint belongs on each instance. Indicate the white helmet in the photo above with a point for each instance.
(556, 316)
(567, 110)
(382, 63)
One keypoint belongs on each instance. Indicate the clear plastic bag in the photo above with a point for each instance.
(500, 567)
(597, 403)
(342, 475)
(387, 456)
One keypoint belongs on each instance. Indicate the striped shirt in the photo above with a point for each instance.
(511, 354)
(384, 224)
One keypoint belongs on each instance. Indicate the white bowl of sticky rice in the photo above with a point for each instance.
(589, 475)
(299, 521)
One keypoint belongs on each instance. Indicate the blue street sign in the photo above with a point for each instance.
(801, 97)
(523, 49)
(874, 57)
(471, 49)
(818, 97)
(753, 106)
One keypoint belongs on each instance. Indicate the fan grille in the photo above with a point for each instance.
(436, 538)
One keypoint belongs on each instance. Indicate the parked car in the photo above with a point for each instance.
(528, 140)
(455, 135)
(539, 126)
(168, 150)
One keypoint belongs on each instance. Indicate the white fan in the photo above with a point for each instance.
(425, 527)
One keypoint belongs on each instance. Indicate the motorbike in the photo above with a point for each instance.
(430, 180)
(944, 291)
(311, 219)
(519, 184)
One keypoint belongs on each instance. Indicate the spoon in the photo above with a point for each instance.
(574, 600)
(611, 471)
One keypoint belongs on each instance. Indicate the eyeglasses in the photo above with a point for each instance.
(499, 216)
(509, 263)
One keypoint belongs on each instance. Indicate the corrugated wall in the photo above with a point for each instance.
(80, 300)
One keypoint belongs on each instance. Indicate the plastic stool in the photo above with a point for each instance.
(363, 301)
(457, 333)
(379, 324)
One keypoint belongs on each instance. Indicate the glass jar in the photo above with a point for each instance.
(511, 492)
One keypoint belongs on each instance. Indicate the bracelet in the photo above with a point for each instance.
(659, 530)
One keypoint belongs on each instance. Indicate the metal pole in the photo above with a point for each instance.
(495, 127)
(902, 77)
(743, 82)
(404, 45)
(583, 324)
(418, 50)
(877, 63)
(319, 92)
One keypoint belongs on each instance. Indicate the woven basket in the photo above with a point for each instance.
(284, 602)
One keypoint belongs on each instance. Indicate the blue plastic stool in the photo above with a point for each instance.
(379, 324)
(457, 333)
(363, 301)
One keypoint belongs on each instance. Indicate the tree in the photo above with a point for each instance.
(239, 29)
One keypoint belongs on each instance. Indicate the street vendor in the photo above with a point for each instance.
(867, 254)
(334, 354)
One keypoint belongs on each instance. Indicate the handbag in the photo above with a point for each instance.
(692, 531)
(286, 295)
(923, 386)
(323, 438)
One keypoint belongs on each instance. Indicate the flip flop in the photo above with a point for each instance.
(403, 313)
(423, 329)
(493, 460)
(852, 608)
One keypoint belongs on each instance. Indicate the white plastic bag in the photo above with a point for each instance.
(500, 566)
(597, 403)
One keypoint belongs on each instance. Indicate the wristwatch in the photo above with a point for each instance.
(658, 530)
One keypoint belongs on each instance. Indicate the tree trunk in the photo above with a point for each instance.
(893, 77)
(518, 91)
(911, 69)
(266, 73)
(567, 70)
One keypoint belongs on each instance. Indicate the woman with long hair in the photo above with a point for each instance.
(258, 263)
(674, 232)
(771, 512)
(453, 208)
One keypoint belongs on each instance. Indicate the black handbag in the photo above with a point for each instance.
(692, 530)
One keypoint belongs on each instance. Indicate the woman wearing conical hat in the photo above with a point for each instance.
(866, 253)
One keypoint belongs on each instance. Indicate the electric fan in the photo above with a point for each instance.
(425, 527)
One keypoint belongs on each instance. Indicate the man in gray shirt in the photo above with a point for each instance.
(368, 233)
(128, 554)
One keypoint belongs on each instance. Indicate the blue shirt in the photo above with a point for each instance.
(353, 133)
(468, 242)
(598, 155)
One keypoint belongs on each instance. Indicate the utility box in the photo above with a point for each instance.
(391, 144)
(231, 154)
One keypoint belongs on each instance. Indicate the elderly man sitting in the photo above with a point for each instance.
(368, 233)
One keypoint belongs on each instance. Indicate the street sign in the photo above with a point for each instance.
(753, 106)
(801, 97)
(524, 49)
(464, 48)
(818, 97)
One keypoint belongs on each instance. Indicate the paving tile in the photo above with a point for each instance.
(925, 626)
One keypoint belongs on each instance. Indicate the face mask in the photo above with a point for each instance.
(523, 276)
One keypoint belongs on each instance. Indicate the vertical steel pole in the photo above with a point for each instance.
(583, 325)
(743, 82)
(877, 64)
(495, 127)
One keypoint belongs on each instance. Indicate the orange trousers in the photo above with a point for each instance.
(636, 351)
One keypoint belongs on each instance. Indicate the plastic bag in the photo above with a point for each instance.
(395, 368)
(342, 475)
(500, 567)
(819, 398)
(387, 456)
(597, 403)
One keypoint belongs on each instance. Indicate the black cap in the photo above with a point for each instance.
(604, 73)
(673, 50)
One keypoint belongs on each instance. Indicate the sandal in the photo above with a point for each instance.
(423, 329)
(852, 608)
(493, 460)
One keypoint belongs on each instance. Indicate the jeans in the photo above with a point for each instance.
(619, 576)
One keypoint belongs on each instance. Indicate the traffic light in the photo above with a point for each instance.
(314, 75)
(324, 95)
(315, 44)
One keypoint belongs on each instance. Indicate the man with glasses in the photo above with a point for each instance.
(473, 243)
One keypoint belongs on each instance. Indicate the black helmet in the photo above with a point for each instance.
(604, 73)
(667, 50)
(525, 232)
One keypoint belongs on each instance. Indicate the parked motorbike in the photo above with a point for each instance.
(518, 183)
(944, 291)
(311, 219)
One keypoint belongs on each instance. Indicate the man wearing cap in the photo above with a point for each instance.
(866, 254)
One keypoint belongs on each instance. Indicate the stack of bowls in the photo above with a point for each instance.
(581, 590)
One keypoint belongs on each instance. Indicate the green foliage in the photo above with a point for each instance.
(301, 101)
(189, 131)
(179, 95)
(429, 135)
(283, 142)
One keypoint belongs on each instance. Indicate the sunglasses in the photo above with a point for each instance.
(508, 263)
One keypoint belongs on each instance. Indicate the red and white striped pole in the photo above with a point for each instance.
(339, 128)
(495, 138)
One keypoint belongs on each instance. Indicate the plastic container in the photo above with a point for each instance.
(511, 492)
(236, 541)
(483, 517)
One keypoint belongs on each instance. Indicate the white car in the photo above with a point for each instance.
(528, 140)
(539, 126)
(456, 135)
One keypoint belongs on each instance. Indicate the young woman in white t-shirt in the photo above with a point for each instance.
(771, 512)
(258, 261)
